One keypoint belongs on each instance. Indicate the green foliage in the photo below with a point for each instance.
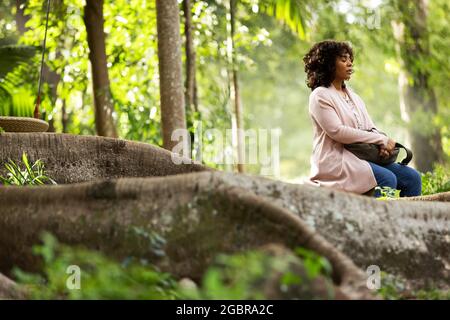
(291, 12)
(241, 276)
(237, 276)
(432, 294)
(12, 56)
(387, 193)
(101, 278)
(20, 104)
(394, 288)
(33, 174)
(272, 83)
(131, 48)
(15, 99)
(233, 277)
(391, 287)
(315, 264)
(436, 181)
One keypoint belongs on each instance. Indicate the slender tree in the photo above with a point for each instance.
(170, 71)
(21, 18)
(236, 98)
(418, 99)
(190, 84)
(64, 117)
(93, 19)
(191, 98)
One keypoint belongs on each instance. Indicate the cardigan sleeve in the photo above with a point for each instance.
(326, 116)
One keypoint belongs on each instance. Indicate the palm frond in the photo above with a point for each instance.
(14, 99)
(8, 41)
(291, 12)
(12, 56)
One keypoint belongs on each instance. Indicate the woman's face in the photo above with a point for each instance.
(344, 67)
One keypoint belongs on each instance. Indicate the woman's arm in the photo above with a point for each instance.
(326, 116)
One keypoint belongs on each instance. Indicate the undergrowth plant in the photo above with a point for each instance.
(387, 193)
(32, 174)
(436, 181)
(100, 276)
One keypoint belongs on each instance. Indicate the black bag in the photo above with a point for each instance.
(371, 152)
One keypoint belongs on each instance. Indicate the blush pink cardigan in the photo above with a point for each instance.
(334, 125)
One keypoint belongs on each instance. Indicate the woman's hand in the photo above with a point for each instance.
(387, 151)
(390, 145)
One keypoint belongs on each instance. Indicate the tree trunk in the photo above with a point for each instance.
(191, 98)
(170, 72)
(190, 58)
(443, 197)
(236, 92)
(232, 220)
(418, 98)
(104, 107)
(406, 239)
(233, 211)
(72, 159)
(64, 117)
(21, 19)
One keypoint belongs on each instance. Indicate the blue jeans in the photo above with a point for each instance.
(397, 176)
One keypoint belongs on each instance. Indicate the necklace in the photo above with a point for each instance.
(346, 97)
(353, 108)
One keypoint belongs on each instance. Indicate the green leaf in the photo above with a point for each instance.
(33, 174)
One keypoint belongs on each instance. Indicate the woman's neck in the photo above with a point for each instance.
(338, 84)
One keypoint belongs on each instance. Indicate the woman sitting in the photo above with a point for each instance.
(339, 117)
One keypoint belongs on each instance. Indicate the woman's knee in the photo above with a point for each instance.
(415, 176)
(388, 180)
(413, 181)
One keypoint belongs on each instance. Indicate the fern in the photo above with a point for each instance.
(15, 100)
(12, 56)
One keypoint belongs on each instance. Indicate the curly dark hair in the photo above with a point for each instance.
(320, 62)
